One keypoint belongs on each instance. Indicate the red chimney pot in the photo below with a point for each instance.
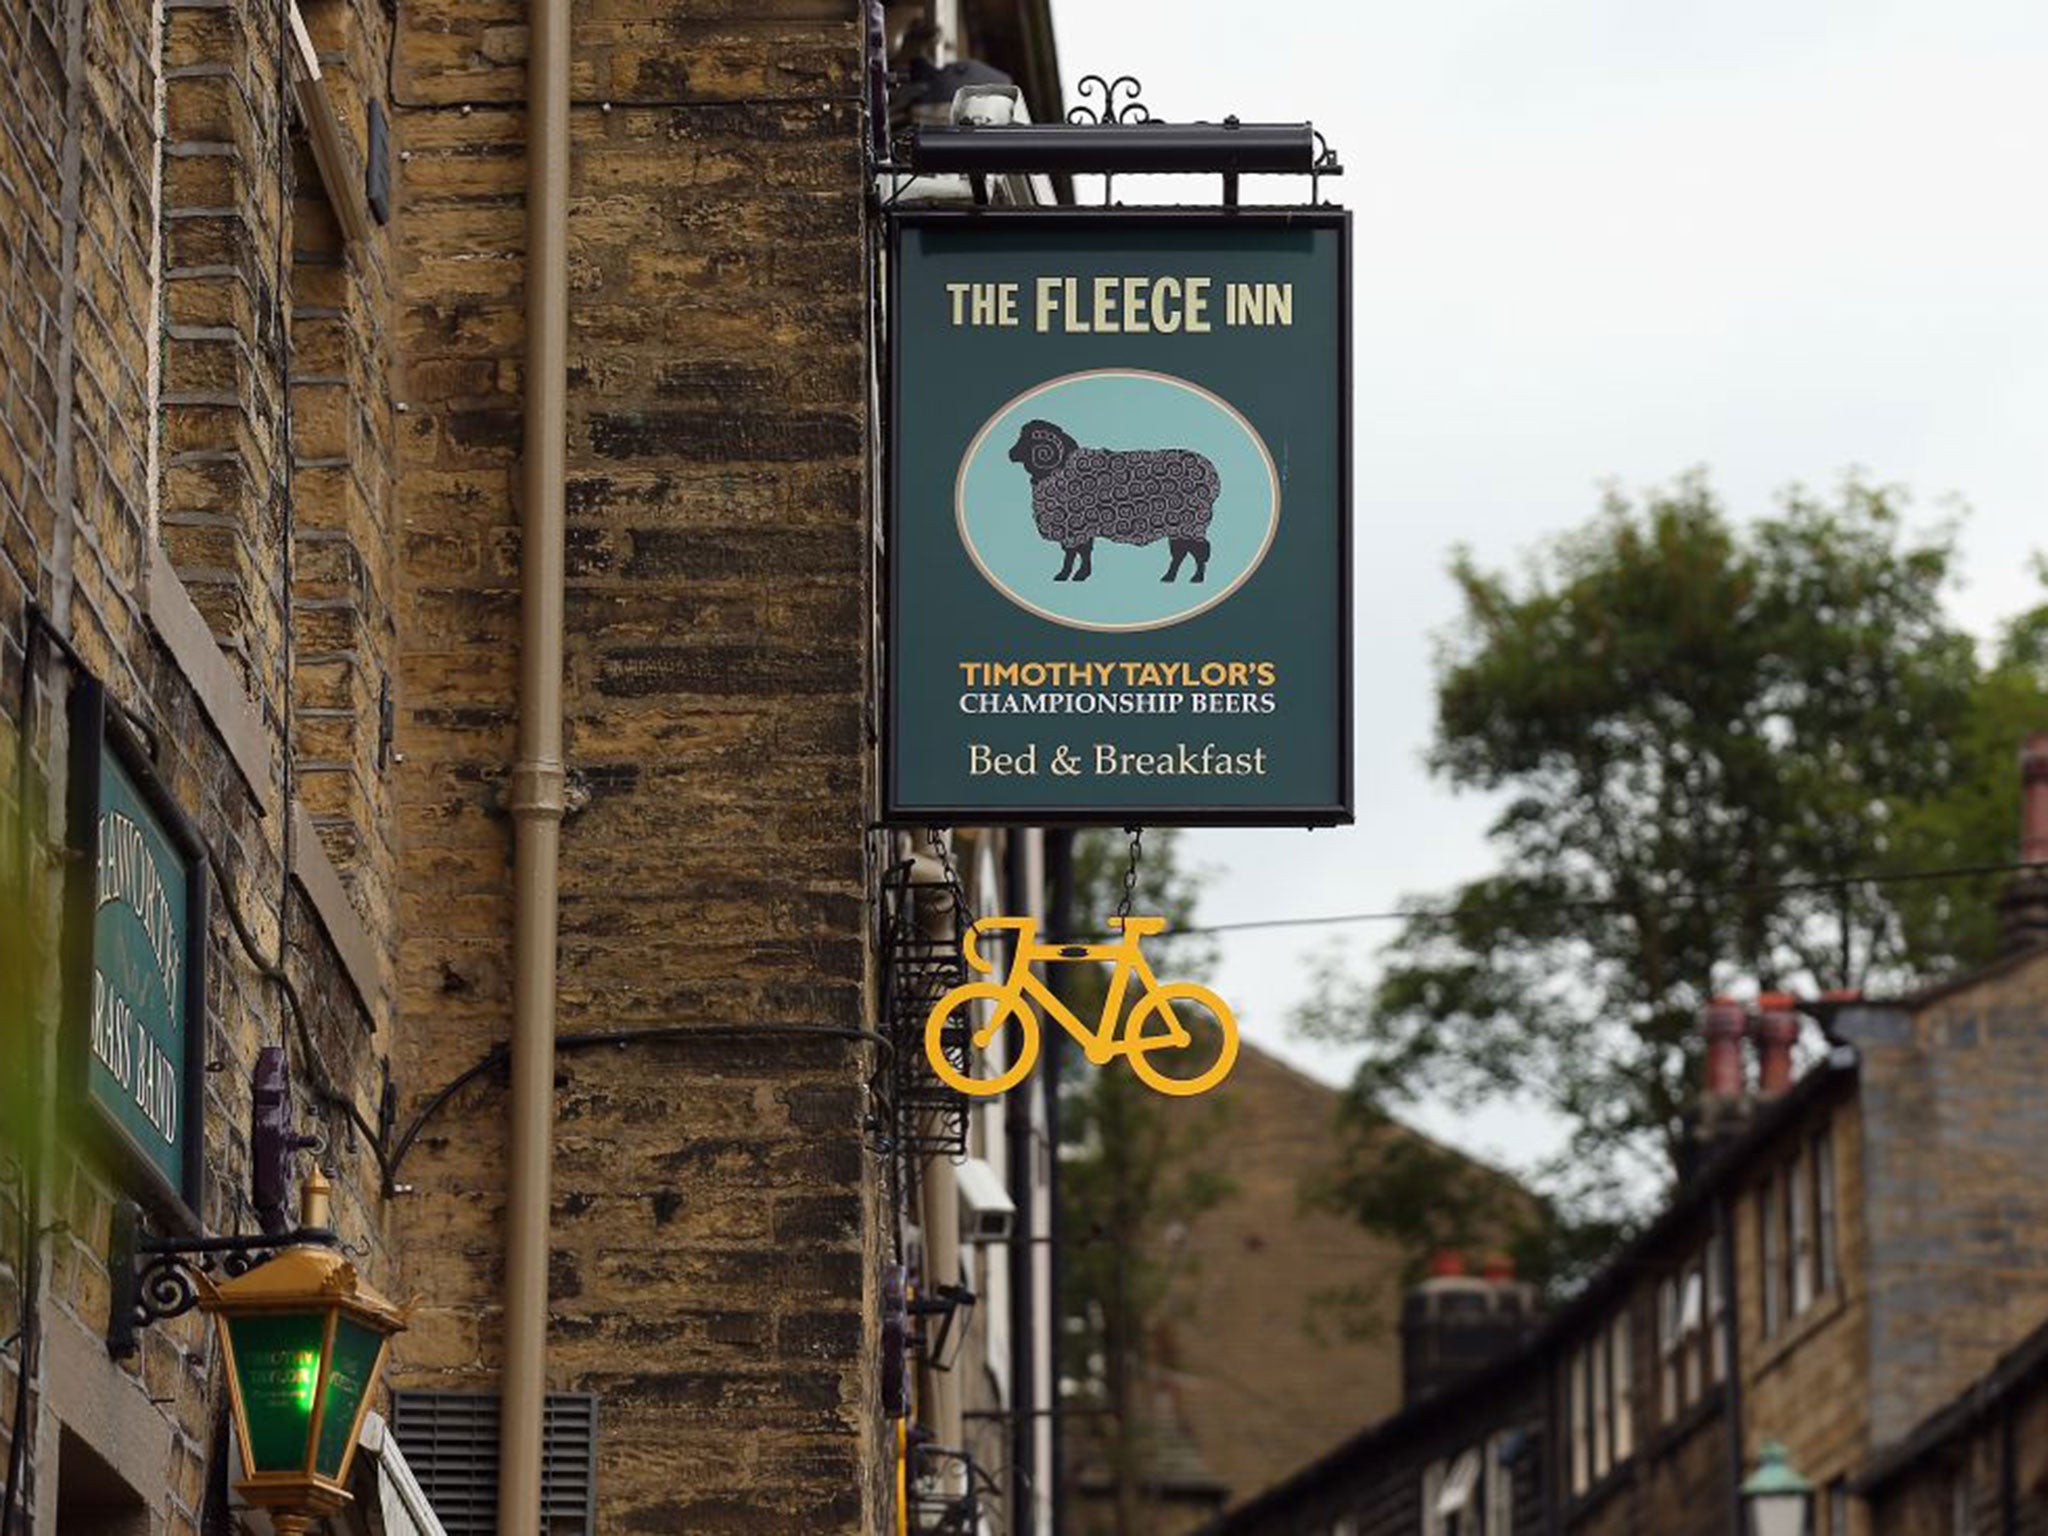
(2034, 799)
(1446, 1264)
(1721, 1021)
(1774, 1028)
(1498, 1266)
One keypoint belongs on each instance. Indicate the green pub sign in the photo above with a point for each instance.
(135, 924)
(1119, 536)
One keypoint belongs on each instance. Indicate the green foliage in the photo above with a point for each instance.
(1668, 703)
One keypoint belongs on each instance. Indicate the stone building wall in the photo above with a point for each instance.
(715, 1220)
(1958, 1242)
(1374, 1484)
(1808, 1385)
(1989, 1465)
(141, 516)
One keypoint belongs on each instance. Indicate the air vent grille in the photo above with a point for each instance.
(450, 1440)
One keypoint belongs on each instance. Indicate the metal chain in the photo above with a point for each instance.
(942, 850)
(1137, 854)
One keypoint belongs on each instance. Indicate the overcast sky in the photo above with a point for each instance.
(1608, 240)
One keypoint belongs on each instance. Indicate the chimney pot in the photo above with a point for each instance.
(1453, 1324)
(1446, 1264)
(2034, 799)
(1721, 1021)
(1774, 1028)
(1498, 1266)
(2023, 907)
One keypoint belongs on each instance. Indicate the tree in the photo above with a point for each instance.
(1669, 703)
(1132, 1171)
(1975, 816)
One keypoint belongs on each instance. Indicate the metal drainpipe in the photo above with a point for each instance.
(538, 781)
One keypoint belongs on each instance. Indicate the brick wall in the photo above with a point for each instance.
(714, 1222)
(142, 389)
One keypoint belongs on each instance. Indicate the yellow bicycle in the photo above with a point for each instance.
(1021, 994)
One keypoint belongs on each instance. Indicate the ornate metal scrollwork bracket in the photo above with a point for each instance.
(154, 1277)
(1120, 105)
(1120, 102)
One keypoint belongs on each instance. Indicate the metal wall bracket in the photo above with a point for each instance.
(152, 1277)
(1112, 133)
(945, 1302)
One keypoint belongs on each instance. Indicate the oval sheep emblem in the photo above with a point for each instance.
(1061, 488)
(1125, 495)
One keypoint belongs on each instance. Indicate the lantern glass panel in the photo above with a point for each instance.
(1779, 1514)
(349, 1374)
(277, 1359)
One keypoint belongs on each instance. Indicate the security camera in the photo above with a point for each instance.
(987, 1214)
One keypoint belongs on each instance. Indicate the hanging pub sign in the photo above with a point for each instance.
(1119, 531)
(135, 989)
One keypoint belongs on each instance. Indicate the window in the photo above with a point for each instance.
(1451, 1497)
(1692, 1327)
(1600, 1403)
(1961, 1505)
(1799, 1251)
(1718, 1342)
(1575, 1394)
(1500, 1488)
(1837, 1513)
(1771, 1246)
(1798, 1246)
(1692, 1324)
(1623, 1390)
(1669, 1349)
(1826, 1252)
(1457, 1502)
(1600, 1398)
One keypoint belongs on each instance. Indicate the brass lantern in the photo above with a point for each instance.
(304, 1340)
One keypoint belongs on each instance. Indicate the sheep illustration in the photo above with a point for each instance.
(1128, 496)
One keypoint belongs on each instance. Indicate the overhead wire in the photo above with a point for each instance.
(1614, 903)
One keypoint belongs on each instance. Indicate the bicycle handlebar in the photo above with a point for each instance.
(1027, 927)
(1138, 926)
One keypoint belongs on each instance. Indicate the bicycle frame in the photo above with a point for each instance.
(1105, 1041)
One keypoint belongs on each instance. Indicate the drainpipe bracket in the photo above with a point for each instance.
(543, 789)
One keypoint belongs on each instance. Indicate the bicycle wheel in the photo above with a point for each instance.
(1207, 1056)
(1008, 1005)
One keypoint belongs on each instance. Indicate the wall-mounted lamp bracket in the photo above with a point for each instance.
(153, 1276)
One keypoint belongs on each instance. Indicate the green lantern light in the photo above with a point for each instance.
(304, 1341)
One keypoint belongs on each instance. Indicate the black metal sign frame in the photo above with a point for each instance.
(1340, 812)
